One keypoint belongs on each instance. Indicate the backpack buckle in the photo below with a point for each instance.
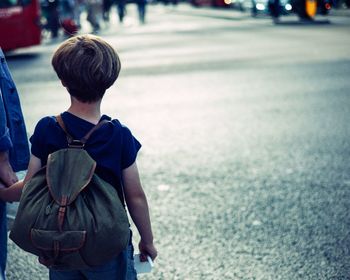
(76, 144)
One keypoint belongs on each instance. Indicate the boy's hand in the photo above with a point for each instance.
(147, 250)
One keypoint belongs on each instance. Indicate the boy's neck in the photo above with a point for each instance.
(88, 111)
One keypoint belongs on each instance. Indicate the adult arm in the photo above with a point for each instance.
(7, 176)
(138, 208)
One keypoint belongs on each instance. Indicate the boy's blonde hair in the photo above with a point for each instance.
(87, 65)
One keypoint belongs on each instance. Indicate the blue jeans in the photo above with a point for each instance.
(120, 268)
(3, 239)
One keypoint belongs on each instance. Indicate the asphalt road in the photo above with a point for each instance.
(245, 133)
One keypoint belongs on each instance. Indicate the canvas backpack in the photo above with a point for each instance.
(67, 215)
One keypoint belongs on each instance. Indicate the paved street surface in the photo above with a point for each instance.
(245, 133)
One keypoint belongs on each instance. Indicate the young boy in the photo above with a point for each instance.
(87, 66)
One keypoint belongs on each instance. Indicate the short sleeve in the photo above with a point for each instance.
(37, 140)
(130, 148)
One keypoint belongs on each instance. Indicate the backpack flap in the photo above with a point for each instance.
(78, 168)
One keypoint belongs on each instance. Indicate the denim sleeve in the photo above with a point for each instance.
(5, 140)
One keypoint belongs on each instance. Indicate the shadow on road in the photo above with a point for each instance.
(303, 22)
(13, 56)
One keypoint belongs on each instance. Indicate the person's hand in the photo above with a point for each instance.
(2, 186)
(147, 250)
(7, 176)
(2, 189)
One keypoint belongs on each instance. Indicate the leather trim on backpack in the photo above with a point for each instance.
(62, 211)
(45, 239)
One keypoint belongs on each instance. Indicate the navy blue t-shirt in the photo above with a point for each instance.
(112, 146)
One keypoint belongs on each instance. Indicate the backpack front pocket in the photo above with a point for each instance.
(57, 245)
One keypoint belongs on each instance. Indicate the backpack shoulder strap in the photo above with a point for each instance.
(59, 119)
(81, 142)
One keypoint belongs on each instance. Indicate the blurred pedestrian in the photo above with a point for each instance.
(67, 17)
(77, 10)
(274, 8)
(94, 13)
(67, 9)
(172, 2)
(254, 11)
(121, 9)
(14, 150)
(87, 66)
(141, 7)
(107, 5)
(50, 9)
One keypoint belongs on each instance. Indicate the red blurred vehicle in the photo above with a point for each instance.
(19, 24)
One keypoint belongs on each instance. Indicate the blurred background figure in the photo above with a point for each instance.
(61, 14)
(50, 13)
(94, 13)
(107, 5)
(254, 11)
(77, 10)
(67, 9)
(67, 17)
(274, 8)
(121, 6)
(141, 8)
(122, 11)
(172, 2)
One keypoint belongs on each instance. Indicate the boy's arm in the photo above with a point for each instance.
(14, 192)
(138, 208)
